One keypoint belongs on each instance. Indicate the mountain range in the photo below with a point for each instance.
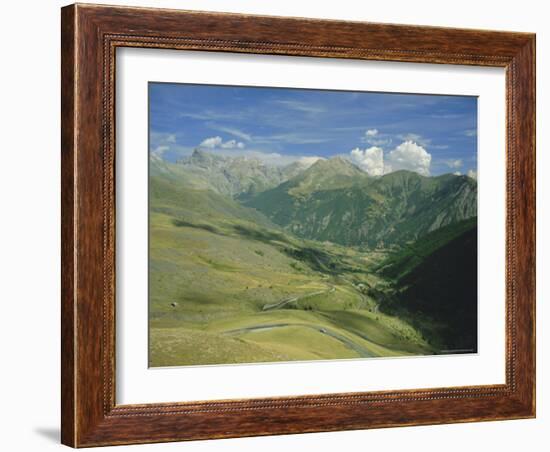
(335, 201)
(253, 262)
(332, 200)
(229, 176)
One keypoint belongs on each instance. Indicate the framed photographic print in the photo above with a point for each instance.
(280, 225)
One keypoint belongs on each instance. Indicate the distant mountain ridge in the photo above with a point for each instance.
(233, 235)
(335, 201)
(336, 172)
(331, 200)
(232, 176)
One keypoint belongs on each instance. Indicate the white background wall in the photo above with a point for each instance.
(29, 225)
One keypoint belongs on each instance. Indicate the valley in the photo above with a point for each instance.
(253, 263)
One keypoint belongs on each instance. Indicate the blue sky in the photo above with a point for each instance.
(380, 132)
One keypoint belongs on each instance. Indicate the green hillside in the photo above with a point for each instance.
(226, 285)
(402, 261)
(335, 201)
(435, 287)
(198, 206)
(229, 283)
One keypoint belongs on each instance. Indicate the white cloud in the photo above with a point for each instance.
(235, 132)
(232, 144)
(161, 139)
(409, 156)
(454, 163)
(378, 142)
(162, 144)
(302, 107)
(209, 115)
(416, 138)
(457, 173)
(375, 138)
(290, 138)
(211, 142)
(370, 160)
(217, 142)
(410, 137)
(473, 174)
(159, 150)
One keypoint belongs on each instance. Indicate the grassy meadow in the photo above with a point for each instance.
(229, 286)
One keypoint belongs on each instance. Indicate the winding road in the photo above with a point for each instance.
(361, 351)
(280, 304)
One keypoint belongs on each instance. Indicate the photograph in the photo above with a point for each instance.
(294, 224)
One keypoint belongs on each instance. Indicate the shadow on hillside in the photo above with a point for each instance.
(206, 227)
(315, 258)
(260, 235)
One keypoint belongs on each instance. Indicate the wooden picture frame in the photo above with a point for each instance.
(90, 36)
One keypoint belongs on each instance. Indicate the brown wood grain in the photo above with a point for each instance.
(90, 36)
(67, 226)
